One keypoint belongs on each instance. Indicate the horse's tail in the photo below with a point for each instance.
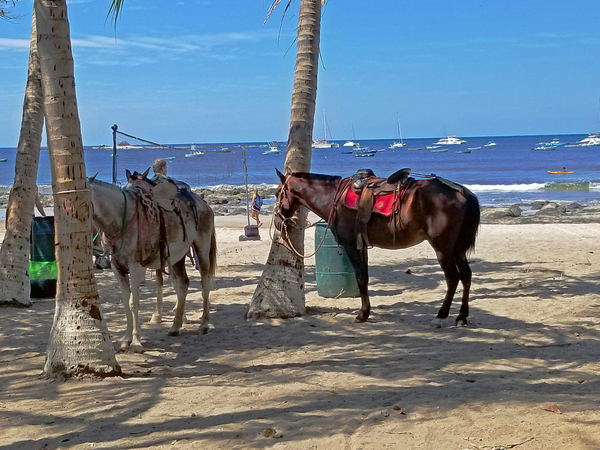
(213, 254)
(470, 226)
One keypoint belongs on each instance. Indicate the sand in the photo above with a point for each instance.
(525, 372)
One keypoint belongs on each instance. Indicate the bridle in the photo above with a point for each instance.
(340, 188)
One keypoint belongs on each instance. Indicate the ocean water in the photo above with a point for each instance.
(508, 173)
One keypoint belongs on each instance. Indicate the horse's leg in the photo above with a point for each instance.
(360, 263)
(181, 283)
(203, 265)
(137, 273)
(448, 264)
(123, 280)
(465, 278)
(157, 316)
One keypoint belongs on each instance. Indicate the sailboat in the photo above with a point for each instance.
(400, 143)
(322, 143)
(351, 142)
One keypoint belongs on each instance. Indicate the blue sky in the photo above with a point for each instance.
(209, 71)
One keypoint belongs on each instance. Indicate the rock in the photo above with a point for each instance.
(539, 204)
(552, 209)
(499, 213)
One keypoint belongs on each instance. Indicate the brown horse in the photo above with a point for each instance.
(143, 234)
(436, 210)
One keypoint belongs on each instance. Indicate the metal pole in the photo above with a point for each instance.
(114, 155)
(246, 176)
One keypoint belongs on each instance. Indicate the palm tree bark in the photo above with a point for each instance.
(280, 290)
(79, 341)
(15, 287)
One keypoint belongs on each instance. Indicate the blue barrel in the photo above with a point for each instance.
(335, 274)
(42, 267)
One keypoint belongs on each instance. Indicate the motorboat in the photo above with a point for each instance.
(433, 147)
(472, 148)
(464, 151)
(194, 152)
(553, 143)
(438, 150)
(490, 144)
(590, 141)
(273, 149)
(362, 152)
(450, 140)
(544, 148)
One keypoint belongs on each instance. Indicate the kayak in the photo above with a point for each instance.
(558, 172)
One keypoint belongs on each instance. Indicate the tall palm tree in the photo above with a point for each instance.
(79, 342)
(14, 254)
(280, 290)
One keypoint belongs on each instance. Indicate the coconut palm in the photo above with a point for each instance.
(79, 342)
(280, 290)
(14, 254)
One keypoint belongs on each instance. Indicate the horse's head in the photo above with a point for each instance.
(138, 181)
(286, 203)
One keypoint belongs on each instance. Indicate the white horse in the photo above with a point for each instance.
(154, 226)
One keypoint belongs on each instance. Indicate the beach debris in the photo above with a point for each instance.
(498, 447)
(552, 408)
(272, 433)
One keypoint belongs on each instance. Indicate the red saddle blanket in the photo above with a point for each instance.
(383, 205)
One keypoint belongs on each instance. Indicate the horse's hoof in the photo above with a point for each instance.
(205, 329)
(136, 347)
(460, 322)
(125, 345)
(360, 319)
(436, 323)
(174, 332)
(156, 319)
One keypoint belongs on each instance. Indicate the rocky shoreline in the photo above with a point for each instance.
(231, 201)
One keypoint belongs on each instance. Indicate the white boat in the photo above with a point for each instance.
(450, 140)
(351, 142)
(323, 143)
(474, 148)
(400, 143)
(273, 149)
(490, 144)
(590, 141)
(193, 152)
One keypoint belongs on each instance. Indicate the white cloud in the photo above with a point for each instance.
(14, 44)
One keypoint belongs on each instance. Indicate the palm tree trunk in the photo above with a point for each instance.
(15, 287)
(79, 341)
(280, 291)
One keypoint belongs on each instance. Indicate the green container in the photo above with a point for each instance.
(42, 267)
(335, 274)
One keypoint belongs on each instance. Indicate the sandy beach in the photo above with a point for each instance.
(525, 372)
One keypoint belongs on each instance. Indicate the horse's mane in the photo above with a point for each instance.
(316, 176)
(106, 185)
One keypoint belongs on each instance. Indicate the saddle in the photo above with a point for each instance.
(368, 194)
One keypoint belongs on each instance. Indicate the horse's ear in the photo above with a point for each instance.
(280, 175)
(145, 175)
(92, 178)
(128, 174)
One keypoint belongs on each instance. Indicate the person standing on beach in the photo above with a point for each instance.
(255, 206)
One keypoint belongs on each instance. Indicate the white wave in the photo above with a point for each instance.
(506, 187)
